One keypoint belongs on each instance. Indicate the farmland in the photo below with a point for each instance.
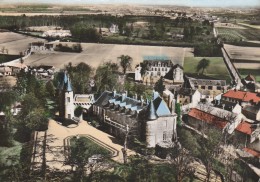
(217, 68)
(247, 54)
(15, 43)
(238, 34)
(95, 54)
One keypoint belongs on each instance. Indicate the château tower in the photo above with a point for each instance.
(66, 106)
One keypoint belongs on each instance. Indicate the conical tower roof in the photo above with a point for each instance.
(151, 111)
(68, 86)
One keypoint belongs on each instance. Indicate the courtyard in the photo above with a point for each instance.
(56, 137)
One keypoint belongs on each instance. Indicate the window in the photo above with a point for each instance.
(69, 116)
(203, 87)
(164, 136)
(210, 87)
(218, 88)
(68, 99)
(155, 69)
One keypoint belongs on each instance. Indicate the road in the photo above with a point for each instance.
(231, 68)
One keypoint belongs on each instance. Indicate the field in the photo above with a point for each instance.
(217, 68)
(237, 34)
(15, 43)
(96, 54)
(245, 72)
(246, 54)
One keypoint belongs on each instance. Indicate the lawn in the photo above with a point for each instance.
(245, 72)
(9, 153)
(91, 145)
(217, 68)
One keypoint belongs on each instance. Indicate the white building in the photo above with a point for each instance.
(157, 67)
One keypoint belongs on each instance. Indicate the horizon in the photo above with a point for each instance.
(188, 3)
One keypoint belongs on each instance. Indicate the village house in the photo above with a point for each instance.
(174, 75)
(152, 122)
(239, 131)
(202, 83)
(249, 101)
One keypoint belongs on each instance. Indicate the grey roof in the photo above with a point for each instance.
(205, 82)
(64, 83)
(158, 108)
(152, 113)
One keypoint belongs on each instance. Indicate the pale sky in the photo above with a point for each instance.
(207, 3)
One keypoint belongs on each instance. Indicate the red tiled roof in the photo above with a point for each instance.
(253, 152)
(242, 95)
(245, 127)
(209, 118)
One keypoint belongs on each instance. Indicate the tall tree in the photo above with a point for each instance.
(159, 86)
(125, 62)
(105, 78)
(202, 65)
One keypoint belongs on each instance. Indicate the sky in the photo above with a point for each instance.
(206, 3)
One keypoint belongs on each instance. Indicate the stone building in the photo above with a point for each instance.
(157, 66)
(243, 98)
(68, 102)
(204, 83)
(152, 122)
(175, 75)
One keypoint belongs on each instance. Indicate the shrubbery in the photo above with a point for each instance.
(65, 48)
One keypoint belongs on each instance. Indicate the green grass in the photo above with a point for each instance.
(91, 144)
(245, 72)
(9, 152)
(217, 68)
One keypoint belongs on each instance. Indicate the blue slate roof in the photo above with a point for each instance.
(64, 83)
(156, 58)
(156, 108)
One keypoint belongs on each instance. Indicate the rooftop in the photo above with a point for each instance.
(245, 127)
(242, 95)
(208, 118)
(156, 58)
(252, 152)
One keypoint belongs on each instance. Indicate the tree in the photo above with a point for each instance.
(125, 62)
(105, 78)
(209, 149)
(159, 87)
(79, 76)
(178, 112)
(181, 162)
(203, 64)
(81, 149)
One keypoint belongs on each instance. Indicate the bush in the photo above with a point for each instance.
(65, 48)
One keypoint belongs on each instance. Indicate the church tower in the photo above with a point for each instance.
(66, 106)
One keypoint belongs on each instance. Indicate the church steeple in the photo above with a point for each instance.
(151, 111)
